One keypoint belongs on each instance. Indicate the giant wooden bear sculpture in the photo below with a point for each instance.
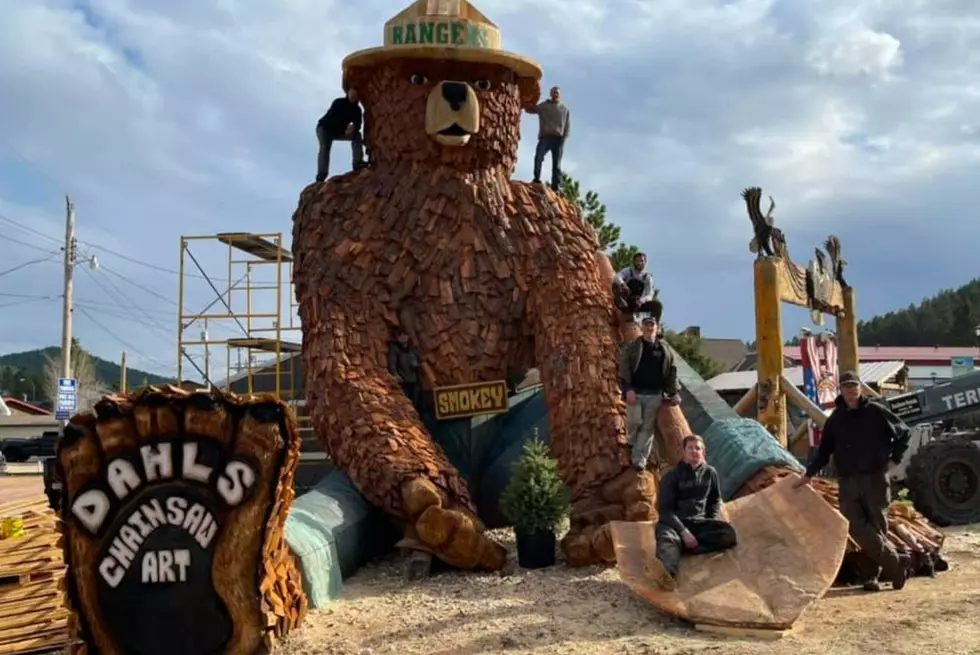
(487, 275)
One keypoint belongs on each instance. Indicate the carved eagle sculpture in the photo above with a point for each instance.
(767, 239)
(837, 264)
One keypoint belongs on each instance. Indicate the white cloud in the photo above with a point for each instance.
(180, 117)
(858, 51)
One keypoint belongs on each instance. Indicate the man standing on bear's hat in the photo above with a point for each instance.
(866, 444)
(554, 124)
(649, 378)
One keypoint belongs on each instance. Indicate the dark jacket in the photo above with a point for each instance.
(862, 440)
(689, 494)
(342, 113)
(404, 362)
(629, 361)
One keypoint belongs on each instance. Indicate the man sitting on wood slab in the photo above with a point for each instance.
(689, 504)
(866, 444)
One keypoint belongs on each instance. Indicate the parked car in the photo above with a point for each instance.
(21, 450)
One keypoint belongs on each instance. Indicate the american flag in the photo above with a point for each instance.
(819, 360)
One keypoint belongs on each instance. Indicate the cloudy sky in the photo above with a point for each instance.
(163, 118)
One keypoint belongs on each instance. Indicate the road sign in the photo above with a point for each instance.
(67, 399)
(961, 365)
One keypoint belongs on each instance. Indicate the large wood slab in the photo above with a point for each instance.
(791, 544)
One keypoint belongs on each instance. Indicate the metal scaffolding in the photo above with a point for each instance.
(261, 330)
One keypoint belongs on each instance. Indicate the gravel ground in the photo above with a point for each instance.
(570, 611)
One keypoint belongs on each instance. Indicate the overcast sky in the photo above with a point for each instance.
(163, 118)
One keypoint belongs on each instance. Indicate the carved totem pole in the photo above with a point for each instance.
(488, 276)
(820, 287)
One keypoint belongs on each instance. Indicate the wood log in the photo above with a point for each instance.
(483, 273)
(908, 530)
(163, 486)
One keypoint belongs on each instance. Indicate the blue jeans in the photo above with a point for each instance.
(556, 146)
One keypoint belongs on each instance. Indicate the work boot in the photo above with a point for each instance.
(871, 585)
(902, 572)
(656, 570)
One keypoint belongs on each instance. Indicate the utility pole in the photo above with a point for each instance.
(71, 246)
(122, 374)
(207, 355)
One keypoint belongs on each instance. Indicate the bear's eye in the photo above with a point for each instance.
(418, 79)
(482, 85)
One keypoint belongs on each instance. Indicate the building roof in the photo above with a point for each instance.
(26, 407)
(726, 351)
(871, 373)
(927, 372)
(908, 354)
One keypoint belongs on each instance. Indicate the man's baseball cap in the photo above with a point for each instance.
(849, 378)
(648, 319)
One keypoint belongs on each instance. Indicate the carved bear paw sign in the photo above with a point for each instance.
(174, 505)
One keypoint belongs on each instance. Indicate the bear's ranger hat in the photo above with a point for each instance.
(443, 29)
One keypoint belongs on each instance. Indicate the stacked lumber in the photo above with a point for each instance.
(486, 276)
(32, 613)
(908, 530)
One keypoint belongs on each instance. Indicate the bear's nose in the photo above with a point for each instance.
(455, 94)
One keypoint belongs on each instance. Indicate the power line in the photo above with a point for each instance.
(23, 227)
(122, 304)
(26, 264)
(25, 301)
(117, 337)
(29, 245)
(138, 286)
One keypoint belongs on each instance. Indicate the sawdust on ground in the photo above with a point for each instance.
(589, 611)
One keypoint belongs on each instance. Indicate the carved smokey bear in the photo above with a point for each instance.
(174, 505)
(488, 276)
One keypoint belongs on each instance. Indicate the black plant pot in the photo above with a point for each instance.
(535, 550)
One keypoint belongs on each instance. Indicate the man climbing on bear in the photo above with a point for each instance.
(634, 291)
(689, 504)
(342, 122)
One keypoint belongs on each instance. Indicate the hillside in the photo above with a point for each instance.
(949, 318)
(30, 364)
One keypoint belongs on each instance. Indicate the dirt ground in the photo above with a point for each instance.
(568, 611)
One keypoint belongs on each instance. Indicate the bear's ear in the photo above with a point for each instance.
(530, 89)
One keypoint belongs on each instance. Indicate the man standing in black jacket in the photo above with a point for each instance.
(689, 504)
(648, 376)
(342, 122)
(866, 446)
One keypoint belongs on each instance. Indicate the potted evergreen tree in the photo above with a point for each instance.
(536, 501)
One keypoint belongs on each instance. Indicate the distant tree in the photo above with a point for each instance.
(90, 389)
(594, 214)
(19, 383)
(949, 318)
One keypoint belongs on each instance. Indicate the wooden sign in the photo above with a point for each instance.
(465, 400)
(906, 406)
(174, 505)
(446, 32)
